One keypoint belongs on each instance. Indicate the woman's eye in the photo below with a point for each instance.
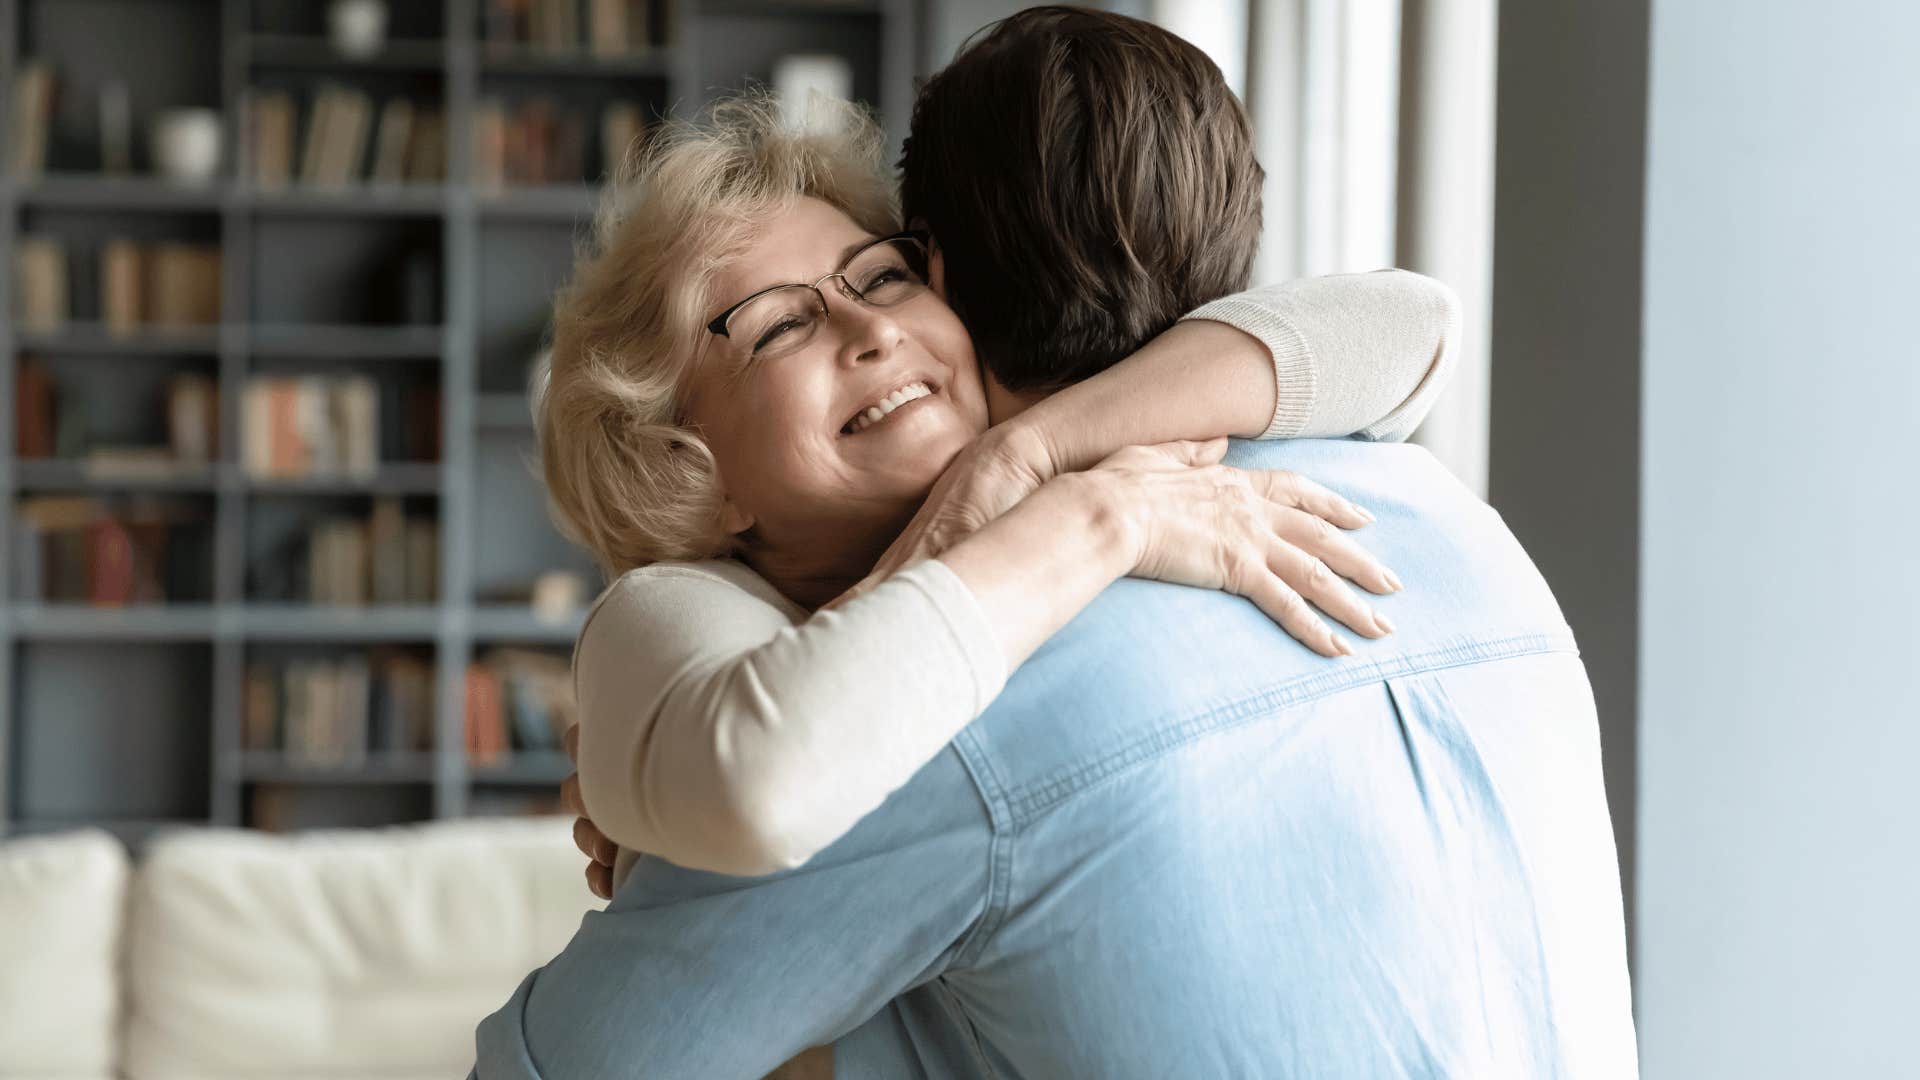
(781, 331)
(886, 275)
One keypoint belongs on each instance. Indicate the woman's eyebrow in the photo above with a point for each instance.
(852, 249)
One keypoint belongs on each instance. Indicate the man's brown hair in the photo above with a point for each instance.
(1090, 178)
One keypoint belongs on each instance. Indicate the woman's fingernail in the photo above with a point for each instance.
(1383, 622)
(1340, 645)
(1363, 512)
(1393, 581)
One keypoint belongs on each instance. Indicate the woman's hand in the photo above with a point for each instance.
(989, 477)
(1271, 536)
(586, 836)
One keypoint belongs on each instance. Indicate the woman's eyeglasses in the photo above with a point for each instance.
(781, 319)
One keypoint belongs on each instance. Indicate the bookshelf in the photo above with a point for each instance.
(131, 717)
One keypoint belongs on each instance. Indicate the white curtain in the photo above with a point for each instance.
(1374, 120)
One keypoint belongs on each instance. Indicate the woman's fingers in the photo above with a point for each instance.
(600, 880)
(571, 740)
(570, 800)
(1315, 581)
(592, 842)
(1289, 488)
(1318, 537)
(1284, 606)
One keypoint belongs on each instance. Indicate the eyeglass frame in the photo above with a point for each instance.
(718, 325)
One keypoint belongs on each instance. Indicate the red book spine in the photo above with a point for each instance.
(486, 730)
(33, 411)
(109, 563)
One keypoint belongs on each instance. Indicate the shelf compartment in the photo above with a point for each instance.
(351, 200)
(141, 622)
(94, 339)
(312, 53)
(101, 192)
(509, 623)
(345, 341)
(524, 769)
(581, 64)
(390, 768)
(317, 623)
(547, 202)
(66, 475)
(402, 478)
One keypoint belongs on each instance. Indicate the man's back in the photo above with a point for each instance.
(1234, 858)
(1180, 844)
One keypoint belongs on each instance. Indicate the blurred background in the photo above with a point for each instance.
(275, 557)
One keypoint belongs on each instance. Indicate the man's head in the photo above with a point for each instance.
(1089, 178)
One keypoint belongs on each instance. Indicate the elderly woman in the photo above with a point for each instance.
(756, 384)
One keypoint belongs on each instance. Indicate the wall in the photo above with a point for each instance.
(1779, 883)
(950, 22)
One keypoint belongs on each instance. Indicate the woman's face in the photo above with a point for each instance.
(800, 456)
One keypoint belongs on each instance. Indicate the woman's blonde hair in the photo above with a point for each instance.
(627, 477)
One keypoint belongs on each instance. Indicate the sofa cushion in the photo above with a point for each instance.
(345, 953)
(61, 898)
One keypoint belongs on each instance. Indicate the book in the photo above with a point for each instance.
(40, 282)
(390, 143)
(356, 424)
(342, 160)
(505, 25)
(260, 710)
(486, 734)
(193, 418)
(607, 28)
(183, 284)
(270, 127)
(32, 99)
(621, 126)
(109, 563)
(33, 410)
(320, 115)
(423, 561)
(256, 428)
(489, 146)
(387, 539)
(122, 287)
(427, 150)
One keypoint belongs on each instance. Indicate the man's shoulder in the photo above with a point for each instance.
(1147, 667)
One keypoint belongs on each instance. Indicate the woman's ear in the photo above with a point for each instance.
(734, 520)
(937, 271)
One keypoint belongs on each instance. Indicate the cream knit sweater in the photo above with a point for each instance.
(725, 728)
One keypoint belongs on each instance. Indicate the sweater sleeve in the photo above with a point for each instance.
(717, 733)
(1353, 354)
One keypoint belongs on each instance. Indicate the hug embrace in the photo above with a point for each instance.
(964, 703)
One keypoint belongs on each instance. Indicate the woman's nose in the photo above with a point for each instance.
(867, 333)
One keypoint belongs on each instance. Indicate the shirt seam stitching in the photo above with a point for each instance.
(1023, 808)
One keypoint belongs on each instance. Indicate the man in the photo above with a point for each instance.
(1194, 853)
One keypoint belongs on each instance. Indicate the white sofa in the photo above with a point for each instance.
(229, 954)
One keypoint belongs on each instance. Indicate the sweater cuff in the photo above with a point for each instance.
(1293, 379)
(960, 610)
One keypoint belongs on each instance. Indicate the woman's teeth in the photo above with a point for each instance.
(878, 412)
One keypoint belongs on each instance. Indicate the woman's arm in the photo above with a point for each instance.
(1349, 354)
(717, 733)
(1326, 357)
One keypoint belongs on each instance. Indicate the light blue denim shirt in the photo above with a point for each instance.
(1179, 844)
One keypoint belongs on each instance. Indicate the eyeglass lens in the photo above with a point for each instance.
(784, 319)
